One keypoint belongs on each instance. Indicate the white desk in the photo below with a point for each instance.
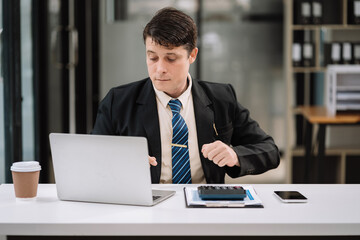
(331, 210)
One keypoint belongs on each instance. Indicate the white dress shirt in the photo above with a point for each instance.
(165, 122)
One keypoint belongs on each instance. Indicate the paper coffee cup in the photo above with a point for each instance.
(26, 179)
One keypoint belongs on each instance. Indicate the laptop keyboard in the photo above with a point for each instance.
(155, 197)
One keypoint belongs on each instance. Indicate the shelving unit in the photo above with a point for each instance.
(306, 85)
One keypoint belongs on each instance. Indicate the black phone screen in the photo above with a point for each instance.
(290, 195)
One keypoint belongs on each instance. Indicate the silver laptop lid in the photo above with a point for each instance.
(97, 168)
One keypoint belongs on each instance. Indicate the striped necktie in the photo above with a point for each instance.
(179, 147)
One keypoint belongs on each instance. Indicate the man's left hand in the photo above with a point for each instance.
(221, 154)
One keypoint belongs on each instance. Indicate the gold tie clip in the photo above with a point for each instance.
(178, 145)
(215, 130)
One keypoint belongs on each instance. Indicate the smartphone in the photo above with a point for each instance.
(290, 196)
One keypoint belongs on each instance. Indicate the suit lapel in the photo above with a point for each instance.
(204, 117)
(149, 116)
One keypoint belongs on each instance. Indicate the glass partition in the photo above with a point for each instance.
(27, 82)
(26, 87)
(242, 44)
(2, 137)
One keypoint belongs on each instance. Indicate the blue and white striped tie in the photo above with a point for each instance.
(179, 147)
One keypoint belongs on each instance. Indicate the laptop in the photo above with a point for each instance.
(103, 169)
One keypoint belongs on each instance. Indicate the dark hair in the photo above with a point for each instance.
(172, 28)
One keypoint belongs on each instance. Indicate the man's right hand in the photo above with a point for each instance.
(152, 161)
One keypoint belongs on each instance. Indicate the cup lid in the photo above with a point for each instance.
(26, 166)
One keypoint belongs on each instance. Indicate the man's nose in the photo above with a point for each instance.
(161, 67)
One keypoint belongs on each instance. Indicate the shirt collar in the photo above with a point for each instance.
(184, 97)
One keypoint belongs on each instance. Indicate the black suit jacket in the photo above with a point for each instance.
(131, 110)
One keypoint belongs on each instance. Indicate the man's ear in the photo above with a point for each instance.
(193, 55)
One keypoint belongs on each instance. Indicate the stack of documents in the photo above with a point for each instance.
(251, 200)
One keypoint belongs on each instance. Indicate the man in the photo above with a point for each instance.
(196, 130)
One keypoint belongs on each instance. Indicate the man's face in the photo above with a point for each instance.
(168, 67)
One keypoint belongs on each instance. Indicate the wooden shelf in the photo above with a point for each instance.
(326, 26)
(321, 115)
(308, 69)
(300, 151)
(318, 69)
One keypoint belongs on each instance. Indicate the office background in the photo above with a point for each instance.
(73, 51)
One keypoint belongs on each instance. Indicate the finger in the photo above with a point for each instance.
(152, 161)
(204, 150)
(213, 154)
(220, 156)
(229, 160)
(226, 162)
(218, 152)
(207, 148)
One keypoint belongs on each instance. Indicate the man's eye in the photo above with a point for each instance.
(171, 59)
(153, 59)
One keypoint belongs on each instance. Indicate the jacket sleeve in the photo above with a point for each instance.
(103, 124)
(256, 150)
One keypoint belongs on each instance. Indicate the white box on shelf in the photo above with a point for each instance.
(342, 91)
